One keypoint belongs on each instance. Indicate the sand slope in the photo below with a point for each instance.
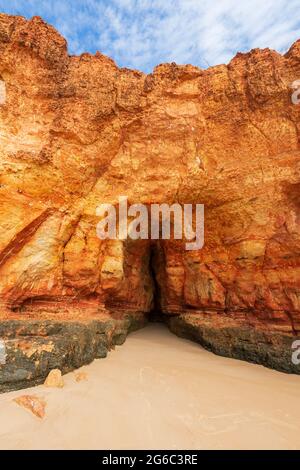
(160, 391)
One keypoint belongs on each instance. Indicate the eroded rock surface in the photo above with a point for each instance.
(54, 379)
(76, 132)
(35, 404)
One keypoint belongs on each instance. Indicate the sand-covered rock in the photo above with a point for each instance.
(54, 379)
(80, 376)
(35, 404)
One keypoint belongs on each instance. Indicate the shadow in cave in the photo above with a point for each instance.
(155, 261)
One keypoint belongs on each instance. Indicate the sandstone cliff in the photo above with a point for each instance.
(79, 131)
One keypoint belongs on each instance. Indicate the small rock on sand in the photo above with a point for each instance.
(79, 376)
(54, 379)
(32, 403)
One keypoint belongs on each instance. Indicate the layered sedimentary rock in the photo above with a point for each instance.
(79, 131)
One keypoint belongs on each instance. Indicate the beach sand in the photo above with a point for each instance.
(159, 391)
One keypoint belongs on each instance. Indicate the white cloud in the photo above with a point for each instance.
(143, 33)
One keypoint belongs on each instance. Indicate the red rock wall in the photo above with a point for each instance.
(78, 131)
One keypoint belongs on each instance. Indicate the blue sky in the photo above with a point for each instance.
(143, 33)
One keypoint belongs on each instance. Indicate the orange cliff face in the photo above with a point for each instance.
(79, 131)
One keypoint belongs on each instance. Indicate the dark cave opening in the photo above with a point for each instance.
(155, 256)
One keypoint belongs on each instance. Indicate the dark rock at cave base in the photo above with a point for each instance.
(34, 347)
(239, 341)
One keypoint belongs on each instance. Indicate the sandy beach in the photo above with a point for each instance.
(159, 391)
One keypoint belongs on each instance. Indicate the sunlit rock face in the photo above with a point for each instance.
(76, 132)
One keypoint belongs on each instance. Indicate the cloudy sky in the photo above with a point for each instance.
(143, 33)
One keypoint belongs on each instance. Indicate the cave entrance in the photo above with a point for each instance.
(156, 270)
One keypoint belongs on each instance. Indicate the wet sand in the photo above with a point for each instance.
(159, 391)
